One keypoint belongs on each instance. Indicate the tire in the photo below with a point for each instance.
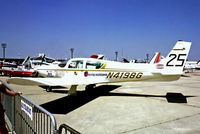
(89, 87)
(49, 89)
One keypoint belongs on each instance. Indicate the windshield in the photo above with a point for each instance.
(93, 65)
(76, 64)
(63, 64)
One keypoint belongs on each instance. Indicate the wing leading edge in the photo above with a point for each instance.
(41, 82)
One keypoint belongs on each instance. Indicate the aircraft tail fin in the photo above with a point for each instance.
(155, 58)
(174, 62)
(26, 60)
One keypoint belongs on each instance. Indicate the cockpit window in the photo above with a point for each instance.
(93, 65)
(63, 64)
(76, 64)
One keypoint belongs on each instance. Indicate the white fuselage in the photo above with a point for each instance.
(89, 70)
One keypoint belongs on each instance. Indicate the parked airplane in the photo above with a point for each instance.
(49, 70)
(90, 71)
(155, 59)
(41, 60)
(6, 64)
(22, 70)
(198, 65)
(190, 66)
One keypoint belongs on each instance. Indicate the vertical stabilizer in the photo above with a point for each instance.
(155, 58)
(26, 60)
(175, 60)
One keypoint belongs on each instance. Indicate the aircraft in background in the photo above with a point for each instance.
(41, 60)
(155, 59)
(28, 67)
(6, 64)
(22, 70)
(91, 71)
(198, 65)
(190, 66)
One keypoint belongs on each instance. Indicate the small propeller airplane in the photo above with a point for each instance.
(46, 70)
(91, 71)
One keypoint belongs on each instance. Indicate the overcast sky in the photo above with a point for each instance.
(131, 27)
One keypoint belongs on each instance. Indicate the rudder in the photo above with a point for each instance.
(175, 60)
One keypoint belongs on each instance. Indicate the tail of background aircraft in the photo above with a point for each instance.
(26, 60)
(173, 64)
(155, 58)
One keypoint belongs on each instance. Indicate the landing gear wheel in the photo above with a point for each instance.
(36, 74)
(48, 89)
(89, 87)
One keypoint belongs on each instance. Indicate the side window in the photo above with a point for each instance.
(76, 64)
(93, 65)
(80, 64)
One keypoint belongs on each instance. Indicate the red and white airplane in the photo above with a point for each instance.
(19, 70)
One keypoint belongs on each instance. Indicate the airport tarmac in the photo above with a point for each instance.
(126, 108)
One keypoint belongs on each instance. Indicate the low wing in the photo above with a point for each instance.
(42, 82)
(48, 82)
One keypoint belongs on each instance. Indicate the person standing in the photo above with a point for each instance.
(3, 89)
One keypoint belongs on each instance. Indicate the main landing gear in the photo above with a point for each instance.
(49, 89)
(89, 87)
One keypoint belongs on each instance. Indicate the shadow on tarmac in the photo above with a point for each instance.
(171, 97)
(69, 103)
